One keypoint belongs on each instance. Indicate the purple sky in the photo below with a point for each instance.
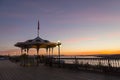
(81, 25)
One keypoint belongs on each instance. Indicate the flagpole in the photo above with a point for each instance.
(38, 29)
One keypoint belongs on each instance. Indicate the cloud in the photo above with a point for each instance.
(92, 15)
(76, 40)
(113, 35)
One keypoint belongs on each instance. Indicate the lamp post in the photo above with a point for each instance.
(58, 43)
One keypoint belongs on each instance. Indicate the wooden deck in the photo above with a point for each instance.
(12, 71)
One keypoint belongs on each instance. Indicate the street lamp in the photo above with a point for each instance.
(59, 43)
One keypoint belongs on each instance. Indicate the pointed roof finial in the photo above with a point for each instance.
(38, 29)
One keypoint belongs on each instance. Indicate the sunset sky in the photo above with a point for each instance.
(82, 26)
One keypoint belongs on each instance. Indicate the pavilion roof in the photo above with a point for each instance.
(37, 42)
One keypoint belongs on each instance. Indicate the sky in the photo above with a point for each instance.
(82, 26)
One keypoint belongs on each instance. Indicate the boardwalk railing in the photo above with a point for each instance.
(109, 62)
(108, 65)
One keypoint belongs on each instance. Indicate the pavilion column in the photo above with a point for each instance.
(52, 58)
(21, 51)
(27, 51)
(37, 55)
(38, 50)
(24, 50)
(47, 51)
(52, 51)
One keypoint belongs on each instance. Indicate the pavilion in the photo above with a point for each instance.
(38, 43)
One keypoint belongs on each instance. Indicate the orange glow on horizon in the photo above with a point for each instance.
(102, 52)
(43, 52)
